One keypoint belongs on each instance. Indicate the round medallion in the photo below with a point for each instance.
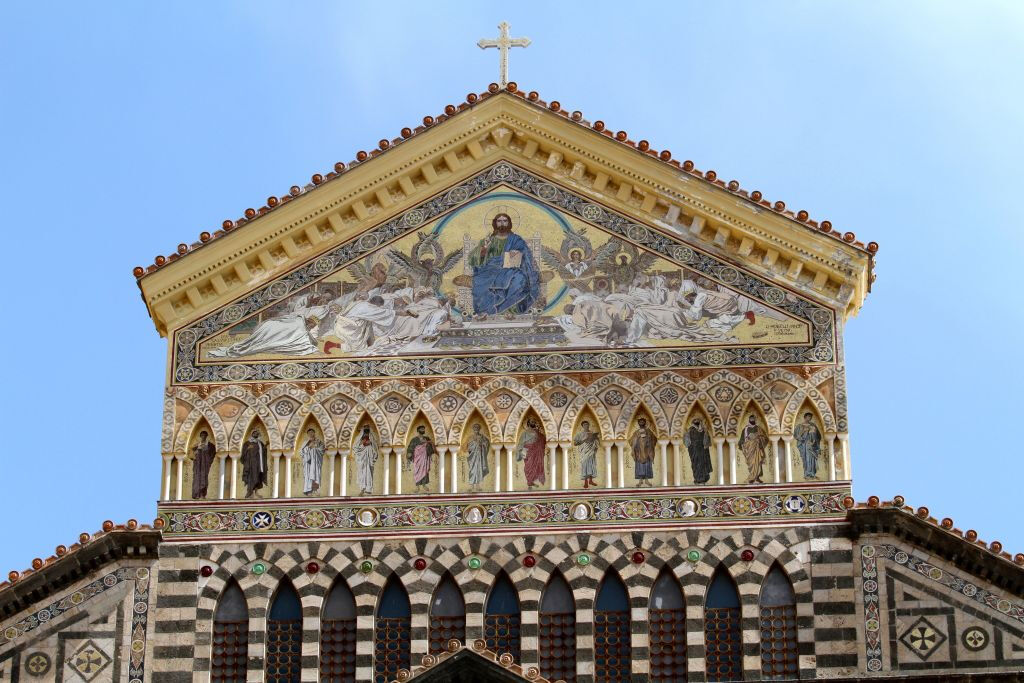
(528, 512)
(687, 507)
(366, 566)
(728, 275)
(501, 364)
(315, 519)
(312, 568)
(874, 664)
(970, 590)
(419, 564)
(638, 233)
(367, 517)
(209, 521)
(774, 295)
(583, 559)
(420, 515)
(529, 561)
(638, 557)
(474, 563)
(37, 664)
(668, 395)
(870, 586)
(413, 218)
(794, 504)
(693, 555)
(559, 399)
(592, 212)
(581, 511)
(872, 625)
(935, 574)
(901, 557)
(261, 519)
(277, 290)
(723, 394)
(231, 314)
(186, 338)
(613, 397)
(769, 355)
(868, 551)
(368, 241)
(555, 362)
(259, 568)
(974, 638)
(473, 514)
(715, 357)
(741, 506)
(323, 265)
(392, 405)
(547, 192)
(206, 571)
(448, 404)
(747, 555)
(504, 401)
(457, 195)
(109, 580)
(821, 317)
(634, 509)
(683, 254)
(608, 360)
(502, 171)
(395, 367)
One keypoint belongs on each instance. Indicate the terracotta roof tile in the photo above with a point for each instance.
(532, 97)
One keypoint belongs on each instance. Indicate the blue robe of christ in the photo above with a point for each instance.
(497, 289)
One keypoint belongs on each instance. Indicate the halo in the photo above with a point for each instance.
(576, 250)
(619, 255)
(505, 209)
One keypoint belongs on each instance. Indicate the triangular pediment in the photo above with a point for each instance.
(505, 260)
(693, 209)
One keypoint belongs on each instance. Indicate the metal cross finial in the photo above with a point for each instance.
(503, 43)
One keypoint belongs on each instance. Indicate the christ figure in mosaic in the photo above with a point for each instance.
(586, 443)
(698, 444)
(531, 452)
(420, 454)
(478, 449)
(808, 440)
(366, 453)
(312, 454)
(202, 460)
(505, 275)
(754, 444)
(642, 444)
(254, 463)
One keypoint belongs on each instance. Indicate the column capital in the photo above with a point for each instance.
(732, 439)
(718, 439)
(787, 437)
(663, 442)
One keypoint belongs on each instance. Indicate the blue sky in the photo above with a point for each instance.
(129, 127)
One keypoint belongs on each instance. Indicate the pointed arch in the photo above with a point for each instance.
(413, 414)
(338, 635)
(201, 413)
(283, 661)
(250, 417)
(371, 413)
(722, 636)
(464, 414)
(530, 403)
(780, 652)
(810, 443)
(502, 617)
(612, 647)
(201, 449)
(748, 395)
(307, 412)
(637, 394)
(447, 615)
(556, 631)
(667, 629)
(392, 631)
(476, 472)
(697, 445)
(230, 654)
(583, 402)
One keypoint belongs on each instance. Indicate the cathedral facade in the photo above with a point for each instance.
(513, 397)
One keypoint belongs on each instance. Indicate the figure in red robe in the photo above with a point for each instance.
(531, 451)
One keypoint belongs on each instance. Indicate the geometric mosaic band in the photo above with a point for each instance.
(380, 517)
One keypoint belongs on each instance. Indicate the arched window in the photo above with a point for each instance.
(667, 628)
(338, 635)
(723, 644)
(501, 618)
(556, 636)
(284, 636)
(447, 615)
(612, 650)
(230, 636)
(391, 646)
(779, 649)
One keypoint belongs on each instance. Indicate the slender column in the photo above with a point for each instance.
(165, 493)
(844, 444)
(664, 461)
(327, 485)
(288, 475)
(399, 468)
(442, 454)
(566, 446)
(277, 473)
(608, 463)
(455, 469)
(719, 465)
(223, 459)
(552, 463)
(387, 470)
(510, 472)
(775, 453)
(620, 448)
(677, 462)
(787, 444)
(496, 448)
(733, 440)
(343, 479)
(181, 475)
(234, 457)
(830, 438)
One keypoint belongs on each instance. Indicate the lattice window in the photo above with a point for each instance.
(556, 635)
(612, 649)
(722, 638)
(780, 653)
(284, 637)
(502, 618)
(229, 659)
(667, 630)
(392, 632)
(447, 615)
(338, 636)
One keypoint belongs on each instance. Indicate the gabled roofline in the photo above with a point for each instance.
(512, 90)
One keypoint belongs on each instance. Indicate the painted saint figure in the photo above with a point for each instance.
(478, 449)
(505, 275)
(530, 451)
(366, 453)
(420, 453)
(254, 463)
(808, 440)
(698, 444)
(642, 444)
(754, 444)
(312, 453)
(586, 443)
(202, 454)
